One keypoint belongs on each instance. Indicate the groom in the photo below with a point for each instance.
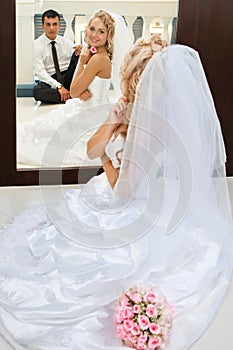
(54, 61)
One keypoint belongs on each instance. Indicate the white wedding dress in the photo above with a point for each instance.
(64, 264)
(58, 138)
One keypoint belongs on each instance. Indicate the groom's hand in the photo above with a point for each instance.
(78, 49)
(65, 94)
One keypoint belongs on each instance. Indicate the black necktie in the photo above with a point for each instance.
(55, 60)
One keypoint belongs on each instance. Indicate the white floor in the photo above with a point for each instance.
(218, 336)
(28, 109)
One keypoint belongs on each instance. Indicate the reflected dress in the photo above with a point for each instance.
(65, 130)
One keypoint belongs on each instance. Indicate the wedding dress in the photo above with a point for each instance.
(166, 223)
(38, 141)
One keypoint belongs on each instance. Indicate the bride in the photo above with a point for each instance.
(107, 39)
(165, 221)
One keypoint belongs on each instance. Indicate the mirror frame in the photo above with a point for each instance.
(8, 172)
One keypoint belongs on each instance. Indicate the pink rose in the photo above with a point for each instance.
(154, 328)
(142, 338)
(121, 333)
(150, 298)
(136, 309)
(128, 324)
(118, 317)
(143, 322)
(124, 300)
(135, 297)
(93, 49)
(151, 311)
(153, 342)
(128, 313)
(135, 329)
(131, 338)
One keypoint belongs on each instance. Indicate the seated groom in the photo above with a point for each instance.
(54, 61)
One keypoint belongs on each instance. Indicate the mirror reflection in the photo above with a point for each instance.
(55, 134)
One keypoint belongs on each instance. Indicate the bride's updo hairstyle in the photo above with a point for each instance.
(135, 62)
(109, 23)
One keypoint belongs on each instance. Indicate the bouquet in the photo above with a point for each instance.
(143, 318)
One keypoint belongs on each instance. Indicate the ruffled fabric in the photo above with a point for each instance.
(57, 294)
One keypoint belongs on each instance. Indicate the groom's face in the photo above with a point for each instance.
(51, 27)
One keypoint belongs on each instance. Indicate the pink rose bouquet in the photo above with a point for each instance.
(143, 318)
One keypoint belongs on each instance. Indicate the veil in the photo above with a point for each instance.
(122, 43)
(174, 157)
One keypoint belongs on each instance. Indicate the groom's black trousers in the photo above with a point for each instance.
(44, 93)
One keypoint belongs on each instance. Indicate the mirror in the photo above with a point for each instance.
(141, 17)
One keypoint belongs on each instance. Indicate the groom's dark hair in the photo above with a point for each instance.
(50, 14)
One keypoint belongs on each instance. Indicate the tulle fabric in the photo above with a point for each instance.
(167, 223)
(175, 139)
(122, 43)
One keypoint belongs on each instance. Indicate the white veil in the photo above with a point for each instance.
(175, 151)
(122, 43)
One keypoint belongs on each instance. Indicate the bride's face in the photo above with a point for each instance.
(97, 33)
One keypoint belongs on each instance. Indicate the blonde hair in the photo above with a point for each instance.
(109, 23)
(135, 62)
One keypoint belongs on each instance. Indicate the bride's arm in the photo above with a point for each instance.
(85, 74)
(111, 172)
(97, 143)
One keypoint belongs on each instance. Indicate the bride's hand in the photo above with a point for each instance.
(86, 95)
(121, 129)
(116, 114)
